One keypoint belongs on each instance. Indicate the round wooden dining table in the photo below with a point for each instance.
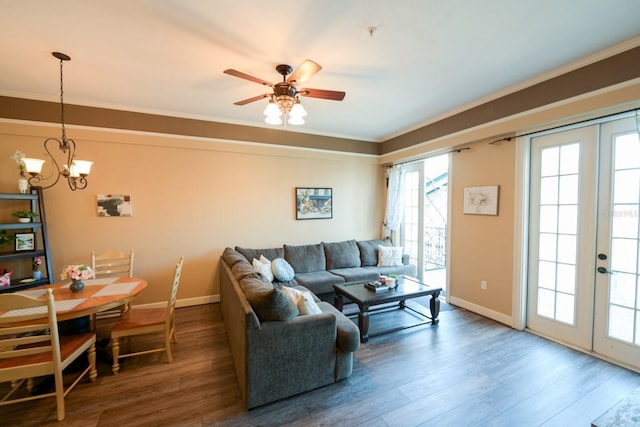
(98, 295)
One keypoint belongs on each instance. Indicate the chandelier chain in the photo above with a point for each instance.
(64, 134)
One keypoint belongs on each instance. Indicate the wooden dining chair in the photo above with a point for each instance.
(112, 263)
(30, 347)
(146, 321)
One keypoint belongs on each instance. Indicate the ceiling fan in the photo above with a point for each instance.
(284, 99)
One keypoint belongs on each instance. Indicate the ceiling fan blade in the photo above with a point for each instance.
(323, 94)
(303, 72)
(255, 98)
(242, 75)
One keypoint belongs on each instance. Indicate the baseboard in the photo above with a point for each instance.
(483, 311)
(187, 302)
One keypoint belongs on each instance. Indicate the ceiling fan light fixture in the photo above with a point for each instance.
(297, 110)
(295, 120)
(272, 110)
(273, 120)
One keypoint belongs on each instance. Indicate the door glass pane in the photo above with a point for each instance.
(623, 255)
(623, 290)
(570, 155)
(627, 152)
(546, 303)
(626, 186)
(568, 189)
(565, 308)
(568, 219)
(547, 275)
(621, 323)
(548, 219)
(625, 221)
(548, 246)
(566, 278)
(567, 248)
(549, 191)
(549, 164)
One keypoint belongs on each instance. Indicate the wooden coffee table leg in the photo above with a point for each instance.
(338, 301)
(363, 324)
(434, 307)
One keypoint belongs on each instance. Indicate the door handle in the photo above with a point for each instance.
(604, 270)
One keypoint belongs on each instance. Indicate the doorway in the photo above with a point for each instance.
(424, 229)
(584, 242)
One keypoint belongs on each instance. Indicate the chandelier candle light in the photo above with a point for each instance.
(74, 171)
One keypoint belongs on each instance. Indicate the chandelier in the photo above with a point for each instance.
(73, 170)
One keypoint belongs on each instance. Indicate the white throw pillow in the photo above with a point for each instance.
(303, 300)
(264, 268)
(389, 256)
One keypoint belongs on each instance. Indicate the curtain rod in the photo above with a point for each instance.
(509, 138)
(453, 150)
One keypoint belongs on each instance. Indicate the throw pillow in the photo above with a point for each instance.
(389, 256)
(269, 303)
(282, 270)
(303, 300)
(264, 268)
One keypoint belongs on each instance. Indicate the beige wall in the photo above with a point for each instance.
(482, 245)
(194, 197)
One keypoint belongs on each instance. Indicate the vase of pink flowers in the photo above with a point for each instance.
(37, 264)
(77, 273)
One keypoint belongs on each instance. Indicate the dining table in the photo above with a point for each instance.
(98, 295)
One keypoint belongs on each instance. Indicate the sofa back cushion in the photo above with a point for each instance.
(231, 257)
(369, 251)
(269, 303)
(306, 258)
(270, 253)
(342, 254)
(242, 269)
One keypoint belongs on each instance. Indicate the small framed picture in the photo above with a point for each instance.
(314, 203)
(25, 241)
(481, 200)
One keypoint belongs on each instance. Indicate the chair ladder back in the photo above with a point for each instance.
(112, 263)
(171, 306)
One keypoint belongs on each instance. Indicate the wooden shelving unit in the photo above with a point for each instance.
(20, 262)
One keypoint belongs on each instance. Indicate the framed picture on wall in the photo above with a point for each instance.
(481, 200)
(314, 203)
(25, 241)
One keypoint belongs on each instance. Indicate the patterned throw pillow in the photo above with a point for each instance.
(389, 256)
(263, 266)
(282, 270)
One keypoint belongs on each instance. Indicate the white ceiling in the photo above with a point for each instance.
(426, 58)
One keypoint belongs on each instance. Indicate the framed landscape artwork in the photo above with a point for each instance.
(25, 241)
(314, 203)
(481, 200)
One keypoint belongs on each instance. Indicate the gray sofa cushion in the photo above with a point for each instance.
(406, 270)
(243, 269)
(342, 254)
(348, 337)
(319, 282)
(231, 257)
(306, 258)
(270, 253)
(356, 274)
(268, 302)
(369, 250)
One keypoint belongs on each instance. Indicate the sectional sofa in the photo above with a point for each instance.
(277, 351)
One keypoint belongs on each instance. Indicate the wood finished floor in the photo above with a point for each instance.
(468, 371)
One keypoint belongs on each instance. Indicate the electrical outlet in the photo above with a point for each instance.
(483, 285)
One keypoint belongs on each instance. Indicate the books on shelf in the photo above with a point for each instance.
(377, 287)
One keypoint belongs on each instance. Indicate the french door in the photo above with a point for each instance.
(584, 278)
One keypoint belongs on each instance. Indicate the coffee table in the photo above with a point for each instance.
(407, 288)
